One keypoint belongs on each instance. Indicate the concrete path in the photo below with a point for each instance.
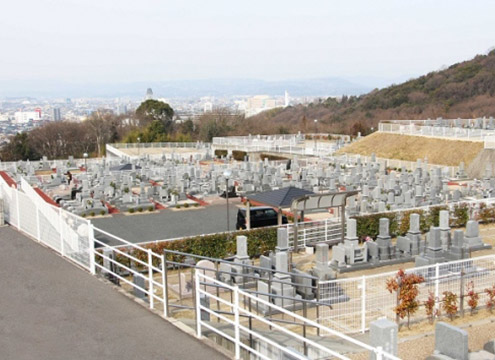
(50, 309)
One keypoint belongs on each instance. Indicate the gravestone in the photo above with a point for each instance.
(207, 268)
(451, 341)
(384, 333)
(414, 233)
(282, 239)
(384, 240)
(140, 286)
(444, 229)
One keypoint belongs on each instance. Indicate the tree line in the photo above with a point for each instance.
(153, 121)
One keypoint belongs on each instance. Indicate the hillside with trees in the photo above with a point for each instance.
(464, 90)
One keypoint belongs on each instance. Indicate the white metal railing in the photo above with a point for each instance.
(459, 133)
(310, 232)
(234, 322)
(73, 237)
(368, 298)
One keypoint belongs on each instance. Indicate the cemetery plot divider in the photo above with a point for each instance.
(370, 300)
(251, 334)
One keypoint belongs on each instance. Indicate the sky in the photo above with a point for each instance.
(103, 41)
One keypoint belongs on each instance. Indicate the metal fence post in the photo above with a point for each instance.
(91, 241)
(150, 280)
(236, 324)
(62, 247)
(198, 304)
(363, 304)
(165, 290)
(437, 284)
(379, 353)
(38, 232)
(18, 210)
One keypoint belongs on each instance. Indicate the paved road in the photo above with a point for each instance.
(168, 224)
(50, 309)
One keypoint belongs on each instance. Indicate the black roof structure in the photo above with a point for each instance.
(280, 198)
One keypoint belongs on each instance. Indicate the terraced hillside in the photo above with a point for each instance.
(411, 148)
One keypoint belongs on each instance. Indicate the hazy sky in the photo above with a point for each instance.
(143, 40)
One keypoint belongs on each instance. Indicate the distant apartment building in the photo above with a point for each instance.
(56, 114)
(259, 103)
(208, 107)
(23, 117)
(121, 109)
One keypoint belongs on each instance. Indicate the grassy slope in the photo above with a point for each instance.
(411, 148)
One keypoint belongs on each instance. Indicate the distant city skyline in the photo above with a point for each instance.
(65, 43)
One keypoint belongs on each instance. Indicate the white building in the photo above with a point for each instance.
(23, 117)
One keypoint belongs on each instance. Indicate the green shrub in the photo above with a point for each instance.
(369, 225)
(151, 208)
(140, 209)
(83, 215)
(195, 204)
(403, 228)
(460, 215)
(486, 213)
(433, 218)
(92, 213)
(260, 241)
(178, 206)
(186, 205)
(102, 212)
(239, 155)
(221, 153)
(131, 210)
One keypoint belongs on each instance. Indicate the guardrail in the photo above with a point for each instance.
(73, 237)
(237, 323)
(458, 133)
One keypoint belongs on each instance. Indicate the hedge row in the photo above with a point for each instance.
(368, 225)
(221, 153)
(219, 246)
(239, 155)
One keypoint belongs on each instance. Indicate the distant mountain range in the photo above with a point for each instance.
(330, 86)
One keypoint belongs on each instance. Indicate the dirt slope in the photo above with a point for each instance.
(411, 148)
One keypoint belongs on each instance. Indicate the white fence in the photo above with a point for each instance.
(252, 335)
(368, 299)
(74, 239)
(285, 144)
(310, 232)
(450, 171)
(458, 133)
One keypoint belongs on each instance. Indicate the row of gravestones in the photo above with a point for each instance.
(439, 246)
(451, 342)
(380, 190)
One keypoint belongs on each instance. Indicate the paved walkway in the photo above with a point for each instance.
(50, 309)
(169, 224)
